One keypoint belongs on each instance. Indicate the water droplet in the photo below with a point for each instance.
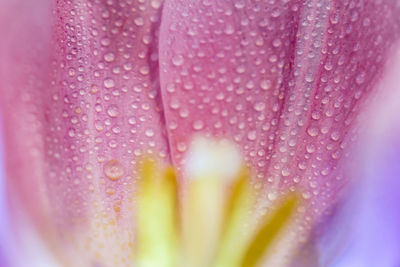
(149, 132)
(198, 125)
(310, 148)
(276, 13)
(335, 135)
(265, 84)
(252, 135)
(302, 165)
(127, 66)
(112, 111)
(360, 78)
(181, 147)
(144, 70)
(285, 172)
(334, 18)
(240, 69)
(105, 42)
(276, 42)
(139, 21)
(260, 106)
(156, 4)
(71, 132)
(240, 4)
(132, 121)
(177, 60)
(316, 115)
(109, 83)
(113, 169)
(98, 125)
(312, 131)
(309, 78)
(109, 57)
(328, 66)
(188, 85)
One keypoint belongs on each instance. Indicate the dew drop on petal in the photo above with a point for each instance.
(71, 132)
(113, 169)
(112, 111)
(310, 148)
(181, 147)
(198, 125)
(276, 42)
(360, 78)
(312, 131)
(260, 106)
(156, 4)
(139, 21)
(275, 13)
(252, 135)
(240, 4)
(109, 83)
(265, 84)
(285, 172)
(105, 42)
(177, 60)
(149, 132)
(335, 136)
(109, 57)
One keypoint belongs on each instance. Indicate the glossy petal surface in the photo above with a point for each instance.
(79, 85)
(80, 94)
(365, 231)
(283, 79)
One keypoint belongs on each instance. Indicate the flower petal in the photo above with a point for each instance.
(284, 79)
(79, 87)
(365, 230)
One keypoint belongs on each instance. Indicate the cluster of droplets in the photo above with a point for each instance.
(105, 86)
(283, 80)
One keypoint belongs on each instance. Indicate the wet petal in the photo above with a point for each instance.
(365, 230)
(284, 79)
(79, 87)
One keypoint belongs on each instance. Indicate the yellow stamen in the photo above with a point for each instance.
(156, 218)
(269, 231)
(203, 214)
(234, 239)
(212, 230)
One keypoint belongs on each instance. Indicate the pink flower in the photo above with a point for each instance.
(87, 87)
